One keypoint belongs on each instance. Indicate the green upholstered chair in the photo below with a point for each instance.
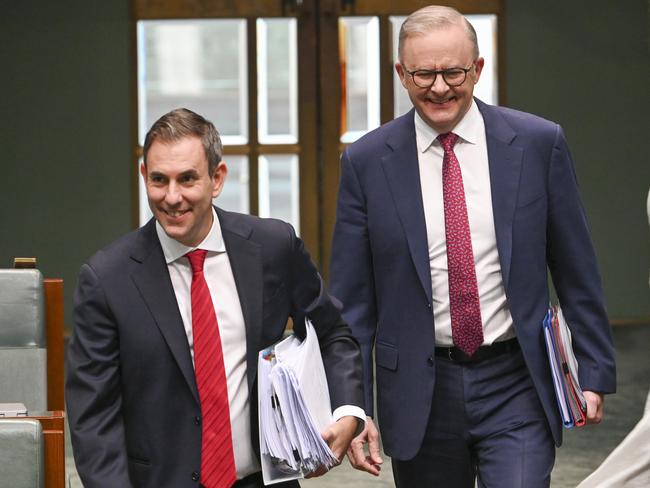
(22, 452)
(23, 348)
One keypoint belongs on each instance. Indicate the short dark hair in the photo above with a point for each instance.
(180, 123)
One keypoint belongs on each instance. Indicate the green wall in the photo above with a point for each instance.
(586, 65)
(65, 148)
(64, 132)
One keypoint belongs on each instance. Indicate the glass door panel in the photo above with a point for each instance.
(279, 188)
(359, 60)
(197, 64)
(486, 32)
(144, 212)
(277, 81)
(401, 101)
(235, 195)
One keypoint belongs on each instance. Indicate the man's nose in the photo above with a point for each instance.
(439, 85)
(173, 194)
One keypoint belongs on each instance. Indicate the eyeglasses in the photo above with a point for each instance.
(425, 78)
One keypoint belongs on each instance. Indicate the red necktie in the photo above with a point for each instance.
(217, 458)
(464, 306)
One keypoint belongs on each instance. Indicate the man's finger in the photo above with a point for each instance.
(595, 407)
(364, 464)
(374, 452)
(315, 474)
(356, 454)
(360, 461)
(373, 444)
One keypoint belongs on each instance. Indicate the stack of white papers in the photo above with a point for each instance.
(294, 407)
(564, 369)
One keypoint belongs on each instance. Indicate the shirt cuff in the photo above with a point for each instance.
(352, 411)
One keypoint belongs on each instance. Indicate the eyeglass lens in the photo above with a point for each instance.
(426, 78)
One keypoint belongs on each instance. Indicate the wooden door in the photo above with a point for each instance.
(329, 45)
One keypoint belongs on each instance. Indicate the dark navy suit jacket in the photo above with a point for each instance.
(131, 392)
(380, 264)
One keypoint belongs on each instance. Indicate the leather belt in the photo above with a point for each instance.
(482, 353)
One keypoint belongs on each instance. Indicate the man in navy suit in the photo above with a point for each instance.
(448, 220)
(136, 405)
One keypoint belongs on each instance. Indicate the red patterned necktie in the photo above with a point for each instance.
(464, 306)
(217, 458)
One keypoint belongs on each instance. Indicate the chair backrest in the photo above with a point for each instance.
(23, 348)
(23, 448)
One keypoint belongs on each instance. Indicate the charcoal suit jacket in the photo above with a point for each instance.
(131, 391)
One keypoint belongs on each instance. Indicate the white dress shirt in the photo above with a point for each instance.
(223, 291)
(471, 151)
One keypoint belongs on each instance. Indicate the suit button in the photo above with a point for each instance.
(430, 360)
(195, 476)
(429, 305)
(197, 420)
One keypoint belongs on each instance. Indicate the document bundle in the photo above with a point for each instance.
(564, 369)
(294, 407)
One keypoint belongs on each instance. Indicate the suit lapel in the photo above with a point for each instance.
(403, 175)
(153, 282)
(246, 263)
(505, 160)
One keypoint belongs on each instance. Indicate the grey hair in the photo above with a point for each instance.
(181, 123)
(434, 17)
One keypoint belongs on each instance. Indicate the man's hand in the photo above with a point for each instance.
(372, 462)
(338, 437)
(595, 406)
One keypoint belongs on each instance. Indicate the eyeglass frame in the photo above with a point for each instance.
(437, 72)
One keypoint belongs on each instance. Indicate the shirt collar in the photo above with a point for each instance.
(468, 129)
(172, 249)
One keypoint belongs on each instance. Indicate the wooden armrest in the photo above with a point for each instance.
(55, 349)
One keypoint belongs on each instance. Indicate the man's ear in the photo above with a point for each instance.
(143, 172)
(478, 67)
(219, 178)
(401, 72)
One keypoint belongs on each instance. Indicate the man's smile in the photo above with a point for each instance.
(174, 213)
(442, 101)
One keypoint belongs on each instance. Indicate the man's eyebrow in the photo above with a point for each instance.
(189, 172)
(156, 174)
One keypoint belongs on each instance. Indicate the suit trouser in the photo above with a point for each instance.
(486, 423)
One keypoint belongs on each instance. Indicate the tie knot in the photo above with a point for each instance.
(197, 258)
(448, 140)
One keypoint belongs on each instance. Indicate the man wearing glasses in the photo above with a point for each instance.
(448, 219)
